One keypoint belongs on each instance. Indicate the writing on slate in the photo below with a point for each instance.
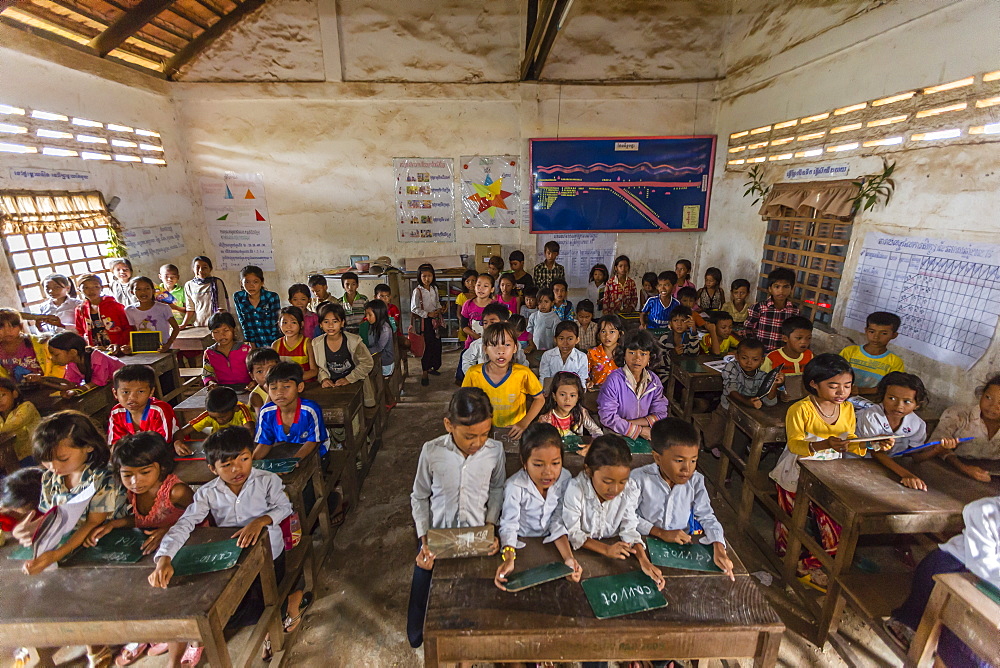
(626, 593)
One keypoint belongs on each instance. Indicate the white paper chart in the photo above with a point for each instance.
(578, 252)
(946, 293)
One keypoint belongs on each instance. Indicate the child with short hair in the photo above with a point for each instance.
(899, 396)
(494, 267)
(529, 301)
(688, 297)
(711, 296)
(595, 287)
(873, 360)
(204, 295)
(672, 492)
(300, 297)
(101, 318)
(738, 305)
(384, 293)
(223, 408)
(565, 356)
(620, 295)
(763, 321)
(532, 503)
(85, 368)
(683, 270)
(492, 314)
(352, 301)
(601, 358)
(549, 270)
(294, 345)
(121, 275)
(318, 286)
(289, 418)
(522, 279)
(720, 339)
(585, 321)
(631, 399)
(378, 335)
(656, 311)
(259, 363)
(341, 357)
(425, 304)
(563, 409)
(743, 377)
(602, 502)
(463, 464)
(257, 308)
(683, 338)
(649, 290)
(468, 293)
(170, 291)
(148, 315)
(225, 361)
(980, 422)
(792, 357)
(17, 417)
(507, 293)
(542, 323)
(509, 386)
(137, 409)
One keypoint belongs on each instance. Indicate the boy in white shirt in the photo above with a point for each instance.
(672, 492)
(459, 483)
(565, 356)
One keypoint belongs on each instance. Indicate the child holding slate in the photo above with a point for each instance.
(899, 396)
(223, 408)
(459, 483)
(672, 492)
(969, 431)
(631, 399)
(532, 504)
(602, 501)
(137, 409)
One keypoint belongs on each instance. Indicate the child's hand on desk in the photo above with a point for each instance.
(152, 543)
(341, 382)
(249, 534)
(160, 577)
(425, 558)
(913, 482)
(644, 432)
(577, 569)
(722, 560)
(494, 548)
(503, 570)
(39, 563)
(619, 550)
(648, 568)
(24, 531)
(755, 402)
(974, 472)
(181, 448)
(97, 533)
(678, 536)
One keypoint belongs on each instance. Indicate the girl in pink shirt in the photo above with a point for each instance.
(86, 368)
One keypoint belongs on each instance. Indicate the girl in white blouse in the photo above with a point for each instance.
(59, 309)
(602, 502)
(425, 305)
(532, 501)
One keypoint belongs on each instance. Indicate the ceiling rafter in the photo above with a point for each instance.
(202, 41)
(127, 25)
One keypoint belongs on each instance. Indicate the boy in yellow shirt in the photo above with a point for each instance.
(222, 409)
(720, 339)
(873, 360)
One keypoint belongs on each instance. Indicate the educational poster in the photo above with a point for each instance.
(638, 184)
(491, 192)
(946, 293)
(149, 247)
(237, 220)
(425, 198)
(578, 253)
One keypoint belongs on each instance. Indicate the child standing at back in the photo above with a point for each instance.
(56, 314)
(683, 270)
(378, 335)
(259, 363)
(672, 492)
(121, 275)
(471, 316)
(522, 279)
(384, 293)
(495, 268)
(463, 464)
(764, 319)
(204, 295)
(542, 324)
(738, 305)
(562, 306)
(223, 408)
(149, 315)
(548, 271)
(341, 357)
(100, 318)
(352, 301)
(257, 308)
(299, 296)
(425, 304)
(225, 361)
(170, 291)
(318, 286)
(529, 301)
(711, 296)
(595, 287)
(294, 345)
(137, 409)
(620, 295)
(468, 293)
(649, 290)
(873, 360)
(588, 328)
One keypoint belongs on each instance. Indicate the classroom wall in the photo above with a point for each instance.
(40, 74)
(947, 192)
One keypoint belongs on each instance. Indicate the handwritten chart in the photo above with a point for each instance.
(946, 293)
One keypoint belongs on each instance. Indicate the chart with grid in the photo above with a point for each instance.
(946, 293)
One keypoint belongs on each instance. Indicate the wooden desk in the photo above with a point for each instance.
(90, 403)
(193, 338)
(343, 407)
(865, 498)
(8, 458)
(164, 365)
(79, 605)
(469, 619)
(970, 614)
(693, 377)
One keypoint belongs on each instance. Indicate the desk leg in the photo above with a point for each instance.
(216, 651)
(671, 388)
(728, 436)
(688, 396)
(272, 606)
(767, 651)
(430, 653)
(319, 487)
(925, 642)
(750, 479)
(833, 605)
(795, 529)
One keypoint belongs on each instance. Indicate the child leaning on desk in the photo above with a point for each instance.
(532, 501)
(289, 418)
(86, 368)
(225, 361)
(223, 408)
(979, 422)
(898, 396)
(459, 483)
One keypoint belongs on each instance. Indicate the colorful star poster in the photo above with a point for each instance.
(491, 192)
(425, 198)
(237, 221)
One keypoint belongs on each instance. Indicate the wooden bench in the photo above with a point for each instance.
(692, 376)
(956, 603)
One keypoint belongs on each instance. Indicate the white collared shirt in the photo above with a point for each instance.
(669, 507)
(473, 355)
(586, 516)
(452, 491)
(552, 363)
(424, 300)
(527, 513)
(978, 546)
(873, 422)
(262, 494)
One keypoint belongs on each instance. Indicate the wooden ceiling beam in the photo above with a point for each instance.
(202, 41)
(127, 25)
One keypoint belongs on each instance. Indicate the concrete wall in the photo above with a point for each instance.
(947, 192)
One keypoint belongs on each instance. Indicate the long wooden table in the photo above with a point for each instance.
(115, 604)
(691, 374)
(865, 498)
(343, 407)
(970, 614)
(469, 619)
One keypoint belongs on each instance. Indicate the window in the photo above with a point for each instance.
(808, 231)
(54, 232)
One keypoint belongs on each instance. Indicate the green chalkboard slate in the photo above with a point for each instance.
(23, 553)
(119, 546)
(638, 446)
(572, 443)
(989, 590)
(207, 557)
(691, 365)
(624, 594)
(692, 557)
(285, 465)
(538, 575)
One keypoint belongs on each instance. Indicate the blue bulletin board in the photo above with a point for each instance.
(633, 184)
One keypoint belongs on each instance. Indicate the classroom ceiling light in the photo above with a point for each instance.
(893, 98)
(968, 81)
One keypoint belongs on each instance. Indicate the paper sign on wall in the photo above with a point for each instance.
(578, 252)
(238, 220)
(491, 192)
(149, 246)
(425, 198)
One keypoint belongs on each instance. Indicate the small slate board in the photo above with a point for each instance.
(989, 590)
(207, 557)
(624, 594)
(691, 557)
(119, 546)
(464, 542)
(638, 446)
(690, 365)
(22, 553)
(572, 443)
(286, 465)
(538, 575)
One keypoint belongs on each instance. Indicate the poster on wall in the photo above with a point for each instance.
(425, 198)
(238, 221)
(148, 247)
(491, 193)
(635, 184)
(946, 293)
(579, 252)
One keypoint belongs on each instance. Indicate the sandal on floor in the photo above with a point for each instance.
(22, 657)
(290, 621)
(103, 658)
(898, 631)
(158, 648)
(192, 655)
(131, 653)
(809, 580)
